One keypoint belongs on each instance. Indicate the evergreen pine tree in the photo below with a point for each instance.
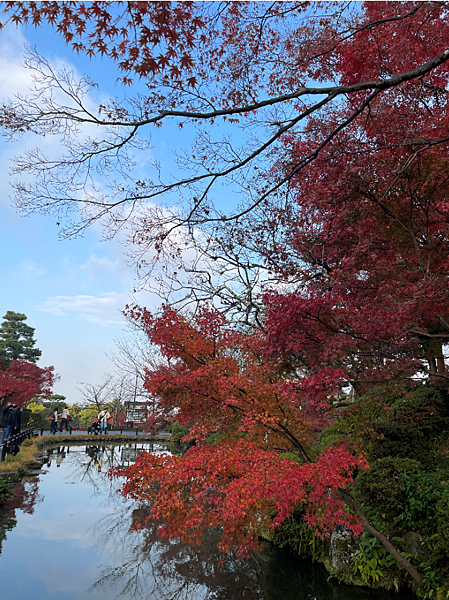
(16, 340)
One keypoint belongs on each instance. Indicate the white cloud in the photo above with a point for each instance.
(96, 263)
(96, 267)
(102, 310)
(14, 79)
(73, 524)
(28, 270)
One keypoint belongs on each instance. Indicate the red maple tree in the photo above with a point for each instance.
(25, 380)
(281, 70)
(264, 464)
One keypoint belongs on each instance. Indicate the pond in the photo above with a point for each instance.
(69, 536)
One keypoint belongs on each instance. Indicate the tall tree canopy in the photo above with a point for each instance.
(19, 375)
(267, 70)
(242, 79)
(16, 340)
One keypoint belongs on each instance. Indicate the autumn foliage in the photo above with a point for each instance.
(240, 488)
(25, 380)
(222, 380)
(143, 37)
(343, 184)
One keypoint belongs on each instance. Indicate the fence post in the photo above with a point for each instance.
(137, 431)
(42, 431)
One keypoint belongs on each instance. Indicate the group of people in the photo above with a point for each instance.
(65, 418)
(100, 424)
(11, 420)
(101, 421)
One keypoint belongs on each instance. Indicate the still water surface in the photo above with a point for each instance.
(69, 537)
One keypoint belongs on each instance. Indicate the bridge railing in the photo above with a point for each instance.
(13, 442)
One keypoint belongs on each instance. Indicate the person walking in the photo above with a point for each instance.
(65, 419)
(5, 423)
(103, 417)
(60, 457)
(54, 421)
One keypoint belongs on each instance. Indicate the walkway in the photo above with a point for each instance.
(127, 432)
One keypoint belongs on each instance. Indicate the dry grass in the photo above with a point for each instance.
(26, 454)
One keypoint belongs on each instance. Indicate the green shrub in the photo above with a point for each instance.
(178, 431)
(423, 409)
(33, 419)
(331, 436)
(424, 493)
(381, 489)
(400, 440)
(375, 566)
(213, 438)
(293, 457)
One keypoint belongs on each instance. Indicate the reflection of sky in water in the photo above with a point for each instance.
(77, 546)
(53, 553)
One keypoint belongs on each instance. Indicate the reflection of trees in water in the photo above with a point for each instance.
(89, 463)
(162, 569)
(25, 497)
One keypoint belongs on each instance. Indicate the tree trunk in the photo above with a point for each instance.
(346, 497)
(349, 500)
(435, 357)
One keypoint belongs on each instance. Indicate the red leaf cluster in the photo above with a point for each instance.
(143, 37)
(239, 488)
(25, 380)
(219, 379)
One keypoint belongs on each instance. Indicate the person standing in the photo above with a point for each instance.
(103, 417)
(6, 421)
(64, 419)
(13, 418)
(16, 423)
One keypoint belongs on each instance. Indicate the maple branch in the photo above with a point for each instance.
(29, 198)
(436, 336)
(330, 91)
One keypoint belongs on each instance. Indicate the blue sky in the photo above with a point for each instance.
(71, 290)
